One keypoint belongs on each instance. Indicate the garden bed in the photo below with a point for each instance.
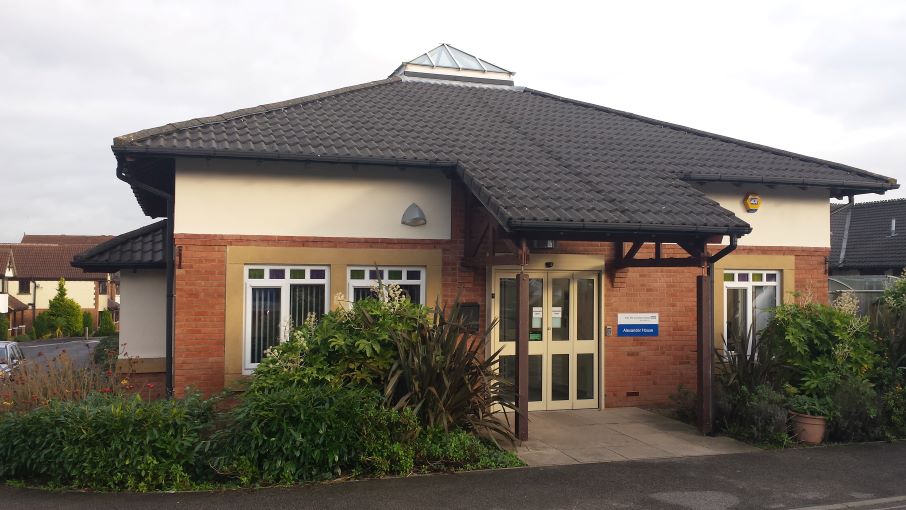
(381, 387)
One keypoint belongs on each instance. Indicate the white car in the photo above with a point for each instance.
(10, 357)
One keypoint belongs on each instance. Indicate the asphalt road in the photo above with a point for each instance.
(867, 476)
(79, 350)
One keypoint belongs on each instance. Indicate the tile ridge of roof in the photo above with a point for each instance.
(880, 202)
(715, 136)
(126, 236)
(125, 140)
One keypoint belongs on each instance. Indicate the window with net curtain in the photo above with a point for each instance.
(279, 299)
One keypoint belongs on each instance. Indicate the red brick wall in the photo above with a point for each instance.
(200, 292)
(652, 367)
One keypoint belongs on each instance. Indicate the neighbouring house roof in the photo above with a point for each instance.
(535, 160)
(48, 261)
(63, 239)
(6, 257)
(15, 304)
(868, 235)
(140, 248)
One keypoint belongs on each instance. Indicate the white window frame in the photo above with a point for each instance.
(284, 285)
(368, 283)
(750, 296)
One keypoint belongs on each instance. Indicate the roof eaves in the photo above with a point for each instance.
(780, 152)
(586, 226)
(127, 139)
(832, 183)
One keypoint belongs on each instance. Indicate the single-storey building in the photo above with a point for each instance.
(607, 244)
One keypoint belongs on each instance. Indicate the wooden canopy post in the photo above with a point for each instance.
(704, 306)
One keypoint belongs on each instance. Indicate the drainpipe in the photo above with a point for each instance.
(168, 256)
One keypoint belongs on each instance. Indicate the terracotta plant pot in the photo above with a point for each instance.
(808, 429)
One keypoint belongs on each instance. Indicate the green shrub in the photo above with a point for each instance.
(895, 412)
(758, 415)
(63, 315)
(293, 434)
(41, 327)
(437, 450)
(685, 404)
(4, 326)
(106, 443)
(106, 327)
(444, 375)
(354, 345)
(857, 412)
(87, 322)
(107, 351)
(820, 346)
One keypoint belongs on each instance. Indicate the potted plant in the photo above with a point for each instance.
(809, 415)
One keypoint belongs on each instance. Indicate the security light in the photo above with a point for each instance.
(414, 216)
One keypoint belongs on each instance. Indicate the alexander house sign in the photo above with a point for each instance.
(637, 324)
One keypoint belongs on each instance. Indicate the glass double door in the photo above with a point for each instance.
(563, 313)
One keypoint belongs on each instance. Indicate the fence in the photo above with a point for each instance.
(867, 289)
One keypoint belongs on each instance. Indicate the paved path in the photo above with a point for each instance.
(867, 476)
(79, 350)
(591, 435)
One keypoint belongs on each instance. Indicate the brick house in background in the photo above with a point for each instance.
(592, 224)
(34, 266)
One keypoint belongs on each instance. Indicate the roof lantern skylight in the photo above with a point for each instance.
(448, 63)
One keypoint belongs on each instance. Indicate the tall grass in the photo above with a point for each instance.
(39, 380)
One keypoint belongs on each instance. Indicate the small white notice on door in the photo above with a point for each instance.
(556, 317)
(537, 314)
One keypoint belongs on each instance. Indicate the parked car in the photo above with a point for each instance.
(10, 357)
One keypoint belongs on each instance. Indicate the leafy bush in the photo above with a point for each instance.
(895, 412)
(820, 346)
(4, 326)
(347, 345)
(317, 432)
(107, 351)
(106, 327)
(438, 450)
(758, 415)
(63, 315)
(444, 376)
(857, 412)
(811, 405)
(87, 321)
(685, 404)
(106, 443)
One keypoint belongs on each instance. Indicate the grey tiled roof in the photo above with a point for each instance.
(143, 247)
(534, 159)
(869, 243)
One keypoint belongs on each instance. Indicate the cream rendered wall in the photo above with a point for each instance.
(143, 313)
(247, 197)
(82, 291)
(789, 216)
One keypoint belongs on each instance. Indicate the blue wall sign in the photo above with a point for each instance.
(637, 324)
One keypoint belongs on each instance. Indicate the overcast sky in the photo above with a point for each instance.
(826, 79)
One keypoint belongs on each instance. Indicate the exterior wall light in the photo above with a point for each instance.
(414, 216)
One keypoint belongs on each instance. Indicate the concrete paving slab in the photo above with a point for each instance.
(607, 435)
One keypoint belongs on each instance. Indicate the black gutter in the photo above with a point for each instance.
(636, 228)
(822, 183)
(168, 259)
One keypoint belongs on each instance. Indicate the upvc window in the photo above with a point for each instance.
(24, 286)
(278, 299)
(750, 297)
(363, 279)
